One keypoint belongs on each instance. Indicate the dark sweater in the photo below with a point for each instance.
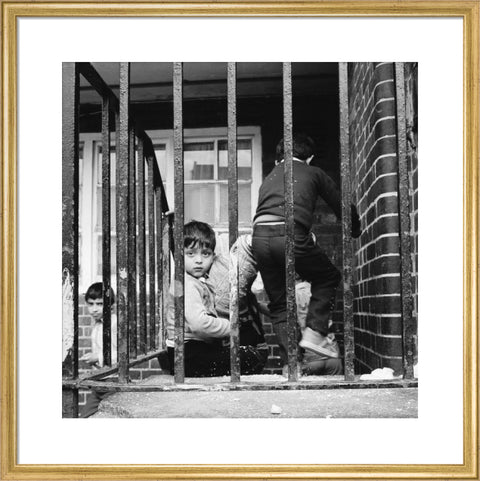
(309, 183)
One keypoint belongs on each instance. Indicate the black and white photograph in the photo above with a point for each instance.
(240, 239)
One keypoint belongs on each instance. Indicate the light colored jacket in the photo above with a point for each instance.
(201, 321)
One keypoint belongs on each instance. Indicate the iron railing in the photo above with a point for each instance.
(165, 236)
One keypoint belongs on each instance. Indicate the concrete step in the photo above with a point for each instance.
(215, 402)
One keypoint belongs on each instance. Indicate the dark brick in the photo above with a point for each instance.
(84, 342)
(150, 372)
(389, 346)
(385, 265)
(381, 147)
(387, 165)
(388, 245)
(385, 225)
(384, 70)
(275, 351)
(396, 364)
(274, 362)
(84, 321)
(388, 285)
(384, 90)
(143, 365)
(391, 325)
(135, 375)
(271, 339)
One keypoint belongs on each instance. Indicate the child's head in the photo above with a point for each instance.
(199, 247)
(303, 147)
(94, 300)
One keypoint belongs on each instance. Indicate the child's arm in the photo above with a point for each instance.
(199, 320)
(90, 358)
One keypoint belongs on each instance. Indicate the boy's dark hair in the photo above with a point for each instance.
(95, 291)
(196, 233)
(303, 147)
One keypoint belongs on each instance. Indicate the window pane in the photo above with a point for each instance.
(200, 202)
(113, 256)
(244, 159)
(161, 154)
(199, 161)
(244, 203)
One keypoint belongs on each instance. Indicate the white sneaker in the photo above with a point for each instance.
(324, 345)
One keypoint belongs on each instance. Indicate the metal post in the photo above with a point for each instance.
(233, 218)
(166, 266)
(132, 247)
(289, 222)
(70, 173)
(349, 345)
(160, 320)
(179, 286)
(142, 259)
(151, 249)
(404, 218)
(123, 221)
(106, 227)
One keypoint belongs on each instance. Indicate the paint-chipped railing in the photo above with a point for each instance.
(133, 347)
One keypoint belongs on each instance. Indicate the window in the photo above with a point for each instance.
(205, 194)
(206, 181)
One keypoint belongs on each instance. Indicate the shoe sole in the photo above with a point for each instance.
(318, 349)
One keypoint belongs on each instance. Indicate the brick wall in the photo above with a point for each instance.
(376, 277)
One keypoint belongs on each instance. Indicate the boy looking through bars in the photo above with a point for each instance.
(205, 353)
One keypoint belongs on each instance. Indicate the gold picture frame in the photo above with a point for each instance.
(469, 11)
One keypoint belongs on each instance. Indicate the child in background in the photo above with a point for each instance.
(206, 352)
(94, 300)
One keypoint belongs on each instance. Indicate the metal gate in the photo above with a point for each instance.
(138, 339)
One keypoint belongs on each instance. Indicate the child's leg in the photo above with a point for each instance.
(313, 265)
(270, 255)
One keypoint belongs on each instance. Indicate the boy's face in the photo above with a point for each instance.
(198, 260)
(95, 308)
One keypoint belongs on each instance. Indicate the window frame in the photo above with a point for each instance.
(88, 256)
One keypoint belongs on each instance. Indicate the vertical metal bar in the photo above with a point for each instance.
(233, 217)
(179, 220)
(132, 246)
(160, 320)
(70, 203)
(142, 259)
(349, 345)
(404, 217)
(166, 267)
(106, 211)
(123, 221)
(289, 222)
(151, 251)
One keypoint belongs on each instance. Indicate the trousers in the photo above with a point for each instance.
(204, 359)
(311, 264)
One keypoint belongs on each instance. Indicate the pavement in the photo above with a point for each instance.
(215, 398)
